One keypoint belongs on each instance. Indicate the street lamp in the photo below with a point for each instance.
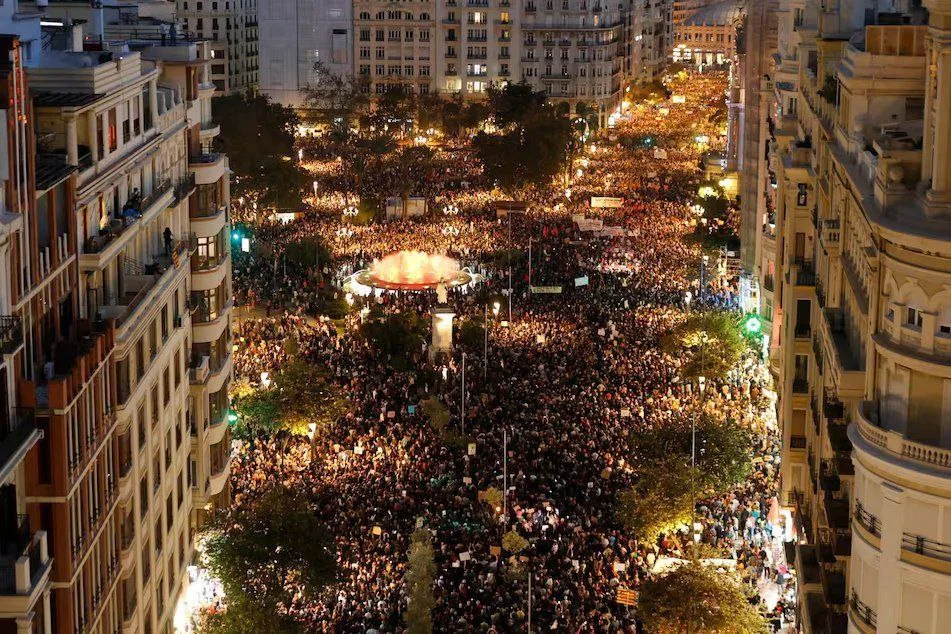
(315, 189)
(350, 211)
(450, 209)
(300, 154)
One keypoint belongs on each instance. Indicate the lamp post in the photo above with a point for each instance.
(314, 184)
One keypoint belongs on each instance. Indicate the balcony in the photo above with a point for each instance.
(18, 433)
(208, 167)
(209, 130)
(805, 273)
(76, 361)
(921, 545)
(199, 369)
(11, 334)
(868, 426)
(864, 617)
(184, 186)
(24, 567)
(99, 250)
(844, 363)
(142, 283)
(870, 524)
(220, 470)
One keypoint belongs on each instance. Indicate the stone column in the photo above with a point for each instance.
(442, 331)
(72, 142)
(937, 143)
(93, 138)
(889, 573)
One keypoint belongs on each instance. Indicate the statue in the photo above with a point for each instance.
(441, 294)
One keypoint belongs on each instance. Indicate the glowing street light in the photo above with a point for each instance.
(300, 154)
(752, 324)
(450, 209)
(315, 188)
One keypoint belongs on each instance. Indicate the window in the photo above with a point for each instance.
(913, 317)
(945, 329)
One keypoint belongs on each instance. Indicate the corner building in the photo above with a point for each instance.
(855, 262)
(116, 331)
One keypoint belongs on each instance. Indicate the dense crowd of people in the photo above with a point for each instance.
(565, 383)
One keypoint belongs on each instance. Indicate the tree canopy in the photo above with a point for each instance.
(665, 483)
(708, 343)
(397, 337)
(531, 143)
(694, 599)
(258, 550)
(659, 501)
(299, 395)
(258, 137)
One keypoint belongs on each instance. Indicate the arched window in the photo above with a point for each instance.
(381, 15)
(423, 16)
(365, 15)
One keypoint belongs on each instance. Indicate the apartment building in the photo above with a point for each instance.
(295, 36)
(231, 26)
(115, 332)
(708, 35)
(395, 44)
(578, 51)
(37, 256)
(475, 45)
(573, 50)
(854, 262)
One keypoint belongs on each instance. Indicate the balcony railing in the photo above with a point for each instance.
(805, 274)
(17, 545)
(11, 333)
(863, 611)
(204, 158)
(185, 186)
(869, 426)
(130, 216)
(866, 520)
(923, 546)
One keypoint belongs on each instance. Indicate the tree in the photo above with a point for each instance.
(512, 104)
(513, 542)
(722, 456)
(396, 337)
(336, 99)
(258, 137)
(472, 334)
(709, 344)
(421, 570)
(300, 395)
(696, 599)
(659, 501)
(264, 545)
(531, 152)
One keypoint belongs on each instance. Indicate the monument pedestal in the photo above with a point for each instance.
(442, 331)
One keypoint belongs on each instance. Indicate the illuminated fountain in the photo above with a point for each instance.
(410, 271)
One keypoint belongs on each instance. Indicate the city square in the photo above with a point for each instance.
(485, 316)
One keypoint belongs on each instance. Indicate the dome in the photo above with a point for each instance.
(717, 14)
